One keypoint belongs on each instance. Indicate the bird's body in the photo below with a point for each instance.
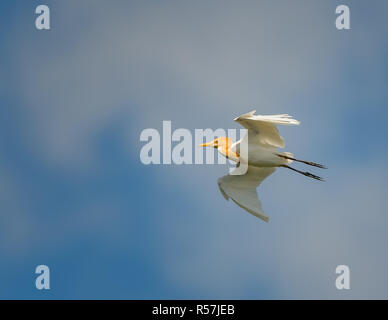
(262, 158)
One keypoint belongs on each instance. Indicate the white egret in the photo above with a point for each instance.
(262, 159)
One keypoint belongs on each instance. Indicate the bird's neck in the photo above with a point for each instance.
(228, 153)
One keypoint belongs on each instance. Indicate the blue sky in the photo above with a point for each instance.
(75, 196)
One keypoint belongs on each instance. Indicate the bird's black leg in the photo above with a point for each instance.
(307, 174)
(310, 163)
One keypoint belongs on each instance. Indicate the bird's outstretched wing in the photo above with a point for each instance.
(262, 129)
(242, 189)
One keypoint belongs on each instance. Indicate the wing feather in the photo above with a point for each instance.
(242, 189)
(263, 130)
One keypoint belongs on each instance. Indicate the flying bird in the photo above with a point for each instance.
(262, 159)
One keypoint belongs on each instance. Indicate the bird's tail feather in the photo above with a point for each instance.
(287, 156)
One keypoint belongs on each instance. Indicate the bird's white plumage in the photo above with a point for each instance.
(242, 189)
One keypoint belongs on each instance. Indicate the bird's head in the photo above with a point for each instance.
(219, 142)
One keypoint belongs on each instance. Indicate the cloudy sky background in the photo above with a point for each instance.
(75, 196)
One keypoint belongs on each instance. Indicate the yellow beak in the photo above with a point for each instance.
(208, 144)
